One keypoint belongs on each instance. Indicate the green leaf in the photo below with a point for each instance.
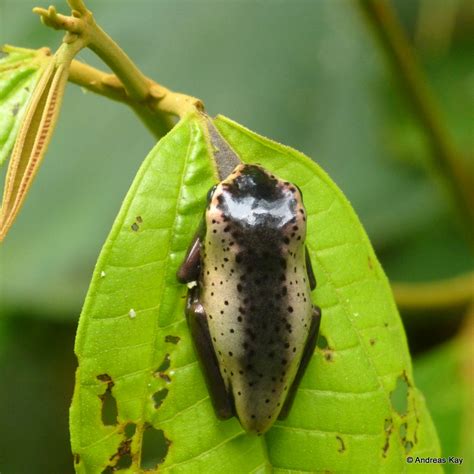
(20, 70)
(358, 408)
(445, 376)
(140, 399)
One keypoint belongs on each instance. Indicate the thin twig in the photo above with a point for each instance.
(446, 159)
(153, 102)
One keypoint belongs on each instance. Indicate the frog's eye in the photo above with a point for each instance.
(210, 193)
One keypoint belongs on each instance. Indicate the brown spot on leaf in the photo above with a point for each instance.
(104, 378)
(328, 355)
(342, 448)
(165, 377)
(172, 339)
(122, 459)
(388, 427)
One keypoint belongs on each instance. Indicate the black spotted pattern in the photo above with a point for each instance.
(260, 233)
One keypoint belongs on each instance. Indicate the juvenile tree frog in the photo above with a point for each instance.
(250, 313)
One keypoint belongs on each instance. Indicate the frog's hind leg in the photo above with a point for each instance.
(222, 399)
(306, 357)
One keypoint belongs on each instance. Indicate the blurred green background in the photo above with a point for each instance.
(309, 74)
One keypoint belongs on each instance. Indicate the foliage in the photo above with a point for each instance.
(321, 91)
(20, 69)
(134, 348)
(450, 365)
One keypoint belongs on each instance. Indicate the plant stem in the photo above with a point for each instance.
(109, 86)
(135, 83)
(437, 295)
(151, 101)
(446, 159)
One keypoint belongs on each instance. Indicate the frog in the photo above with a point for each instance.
(249, 309)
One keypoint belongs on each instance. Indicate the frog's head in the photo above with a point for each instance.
(252, 196)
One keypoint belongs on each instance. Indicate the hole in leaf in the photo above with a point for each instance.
(77, 458)
(108, 470)
(403, 431)
(122, 459)
(322, 342)
(124, 462)
(399, 396)
(130, 429)
(165, 365)
(159, 396)
(408, 446)
(388, 424)
(172, 339)
(109, 404)
(154, 448)
(109, 408)
(134, 227)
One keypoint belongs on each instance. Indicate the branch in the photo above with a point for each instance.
(152, 102)
(446, 158)
(108, 85)
(438, 295)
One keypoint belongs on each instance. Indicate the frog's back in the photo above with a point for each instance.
(256, 295)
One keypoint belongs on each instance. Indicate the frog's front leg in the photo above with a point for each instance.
(191, 267)
(308, 352)
(222, 400)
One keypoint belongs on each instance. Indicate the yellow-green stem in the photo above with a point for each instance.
(436, 295)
